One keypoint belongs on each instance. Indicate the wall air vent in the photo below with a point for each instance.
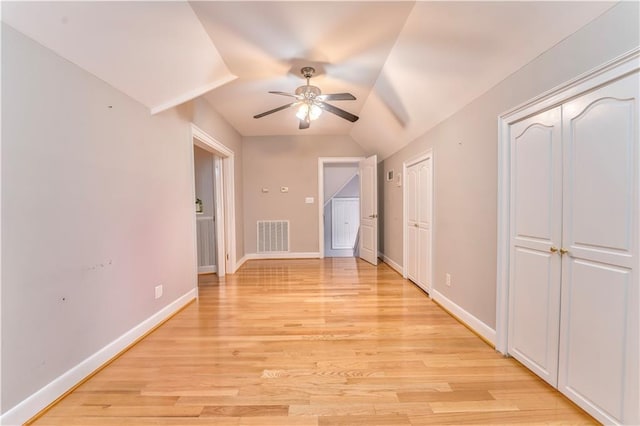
(273, 236)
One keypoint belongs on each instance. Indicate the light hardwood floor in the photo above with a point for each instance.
(313, 342)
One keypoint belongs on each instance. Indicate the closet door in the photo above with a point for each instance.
(345, 214)
(536, 231)
(419, 202)
(412, 223)
(599, 325)
(424, 223)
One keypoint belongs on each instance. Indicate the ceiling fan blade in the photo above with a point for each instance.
(304, 124)
(271, 111)
(285, 94)
(337, 111)
(337, 97)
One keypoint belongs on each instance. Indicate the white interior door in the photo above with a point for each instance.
(411, 261)
(536, 232)
(425, 201)
(600, 297)
(368, 241)
(345, 214)
(418, 227)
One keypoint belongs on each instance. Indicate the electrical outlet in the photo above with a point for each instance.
(447, 279)
(158, 291)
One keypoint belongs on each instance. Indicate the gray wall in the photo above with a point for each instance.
(337, 175)
(209, 120)
(275, 161)
(465, 162)
(97, 209)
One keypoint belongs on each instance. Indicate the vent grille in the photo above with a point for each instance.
(273, 236)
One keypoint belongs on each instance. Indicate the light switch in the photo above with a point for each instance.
(308, 200)
(284, 189)
(265, 190)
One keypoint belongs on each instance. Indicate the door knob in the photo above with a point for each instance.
(564, 251)
(553, 249)
(415, 224)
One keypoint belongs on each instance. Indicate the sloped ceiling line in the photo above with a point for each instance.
(156, 52)
(409, 64)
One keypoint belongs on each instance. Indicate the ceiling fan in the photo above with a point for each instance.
(311, 102)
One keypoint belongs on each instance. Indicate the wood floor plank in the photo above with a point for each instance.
(312, 343)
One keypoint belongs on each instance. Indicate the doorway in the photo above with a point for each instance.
(221, 204)
(207, 176)
(339, 204)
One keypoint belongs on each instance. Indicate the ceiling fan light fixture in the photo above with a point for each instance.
(310, 102)
(311, 111)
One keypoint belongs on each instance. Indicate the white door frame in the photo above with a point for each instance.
(321, 163)
(225, 228)
(614, 69)
(405, 165)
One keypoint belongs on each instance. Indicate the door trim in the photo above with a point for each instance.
(321, 163)
(405, 165)
(203, 140)
(609, 71)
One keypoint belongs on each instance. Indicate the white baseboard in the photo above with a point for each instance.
(474, 323)
(294, 255)
(49, 393)
(207, 269)
(239, 263)
(390, 262)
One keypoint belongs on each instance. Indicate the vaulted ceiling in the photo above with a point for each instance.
(409, 64)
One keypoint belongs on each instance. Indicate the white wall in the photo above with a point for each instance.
(97, 210)
(465, 162)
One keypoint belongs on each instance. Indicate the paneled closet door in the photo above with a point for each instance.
(412, 223)
(599, 357)
(424, 223)
(419, 203)
(536, 231)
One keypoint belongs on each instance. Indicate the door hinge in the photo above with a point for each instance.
(227, 256)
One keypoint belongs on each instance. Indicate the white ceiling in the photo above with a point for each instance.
(155, 52)
(266, 43)
(410, 64)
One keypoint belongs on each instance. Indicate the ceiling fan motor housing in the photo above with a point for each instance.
(309, 92)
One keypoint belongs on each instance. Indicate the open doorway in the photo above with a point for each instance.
(207, 175)
(339, 206)
(214, 217)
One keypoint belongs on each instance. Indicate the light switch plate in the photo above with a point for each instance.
(308, 200)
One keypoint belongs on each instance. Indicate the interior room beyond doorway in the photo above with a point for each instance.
(341, 209)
